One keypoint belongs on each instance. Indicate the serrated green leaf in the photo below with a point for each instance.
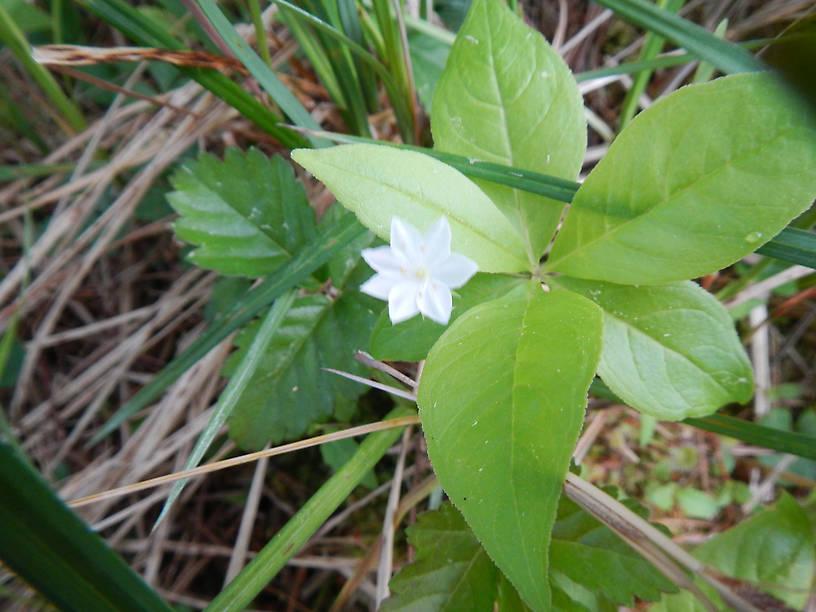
(451, 570)
(247, 214)
(507, 97)
(773, 552)
(502, 401)
(669, 351)
(700, 179)
(289, 390)
(589, 554)
(378, 182)
(412, 339)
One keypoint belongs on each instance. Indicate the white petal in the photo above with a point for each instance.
(405, 241)
(378, 286)
(455, 271)
(435, 302)
(382, 259)
(402, 302)
(437, 242)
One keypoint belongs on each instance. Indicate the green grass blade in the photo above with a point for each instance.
(260, 34)
(396, 59)
(705, 71)
(48, 546)
(306, 261)
(726, 56)
(13, 38)
(235, 388)
(144, 31)
(664, 61)
(792, 245)
(759, 435)
(239, 593)
(766, 437)
(652, 46)
(398, 102)
(350, 24)
(284, 98)
(348, 76)
(314, 52)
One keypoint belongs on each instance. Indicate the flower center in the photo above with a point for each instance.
(420, 273)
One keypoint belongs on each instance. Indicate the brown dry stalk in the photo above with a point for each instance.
(80, 55)
(248, 458)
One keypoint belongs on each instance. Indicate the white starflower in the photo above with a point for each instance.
(416, 273)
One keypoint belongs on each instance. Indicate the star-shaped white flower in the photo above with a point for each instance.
(416, 273)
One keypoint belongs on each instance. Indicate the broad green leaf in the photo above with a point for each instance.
(507, 97)
(502, 401)
(289, 391)
(379, 182)
(772, 552)
(591, 568)
(428, 57)
(451, 570)
(670, 351)
(592, 558)
(48, 546)
(247, 214)
(412, 339)
(697, 181)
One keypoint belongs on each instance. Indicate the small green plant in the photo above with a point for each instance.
(523, 302)
(693, 184)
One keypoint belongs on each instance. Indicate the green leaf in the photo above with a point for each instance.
(587, 553)
(289, 391)
(507, 97)
(428, 57)
(378, 182)
(248, 214)
(48, 546)
(591, 567)
(412, 339)
(331, 241)
(669, 351)
(451, 570)
(697, 504)
(694, 183)
(501, 443)
(773, 550)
